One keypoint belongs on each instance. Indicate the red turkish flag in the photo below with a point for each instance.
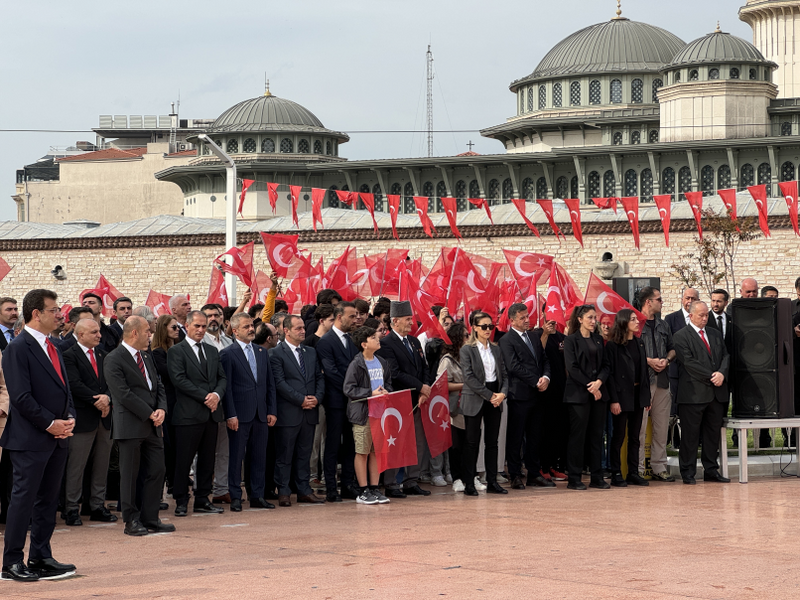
(608, 303)
(547, 207)
(383, 272)
(789, 191)
(555, 309)
(65, 310)
(421, 203)
(509, 293)
(631, 207)
(421, 304)
(260, 288)
(524, 265)
(242, 265)
(303, 283)
(483, 203)
(317, 198)
(695, 200)
(346, 197)
(436, 417)
(759, 194)
(281, 251)
(450, 206)
(391, 423)
(604, 203)
(158, 303)
(574, 207)
(294, 192)
(369, 202)
(520, 205)
(664, 205)
(107, 292)
(216, 288)
(729, 200)
(394, 209)
(246, 183)
(272, 191)
(341, 275)
(4, 269)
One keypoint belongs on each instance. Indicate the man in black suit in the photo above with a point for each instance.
(8, 316)
(299, 384)
(719, 319)
(41, 418)
(138, 411)
(249, 410)
(92, 433)
(409, 372)
(110, 339)
(180, 307)
(528, 373)
(703, 364)
(123, 308)
(335, 351)
(677, 321)
(199, 380)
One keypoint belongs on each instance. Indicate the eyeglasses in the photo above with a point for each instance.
(488, 327)
(657, 299)
(53, 310)
(174, 327)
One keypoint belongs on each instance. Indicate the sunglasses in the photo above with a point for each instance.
(488, 327)
(174, 327)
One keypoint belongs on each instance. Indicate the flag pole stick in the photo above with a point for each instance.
(452, 272)
(383, 275)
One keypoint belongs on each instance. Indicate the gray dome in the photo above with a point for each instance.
(614, 46)
(718, 47)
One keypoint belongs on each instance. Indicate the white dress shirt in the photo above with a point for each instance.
(716, 316)
(341, 335)
(293, 350)
(40, 338)
(133, 352)
(489, 366)
(522, 335)
(195, 346)
(685, 316)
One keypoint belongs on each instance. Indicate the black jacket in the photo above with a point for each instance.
(620, 385)
(695, 366)
(580, 370)
(334, 358)
(357, 385)
(409, 370)
(85, 385)
(523, 367)
(192, 384)
(712, 322)
(132, 400)
(292, 386)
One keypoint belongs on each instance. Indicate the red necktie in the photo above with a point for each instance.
(703, 337)
(140, 362)
(93, 361)
(53, 354)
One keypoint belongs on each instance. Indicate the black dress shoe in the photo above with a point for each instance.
(416, 491)
(135, 528)
(470, 491)
(19, 572)
(163, 506)
(103, 515)
(617, 480)
(517, 484)
(181, 510)
(689, 481)
(50, 568)
(236, 505)
(160, 527)
(260, 503)
(73, 518)
(495, 488)
(540, 481)
(348, 493)
(204, 506)
(270, 495)
(333, 498)
(395, 493)
(576, 485)
(713, 476)
(600, 485)
(636, 479)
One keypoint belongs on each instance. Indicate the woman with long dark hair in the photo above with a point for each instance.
(586, 373)
(165, 336)
(450, 363)
(628, 389)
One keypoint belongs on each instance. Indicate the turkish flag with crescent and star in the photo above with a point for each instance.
(608, 303)
(574, 207)
(695, 200)
(394, 208)
(555, 309)
(729, 200)
(242, 263)
(317, 198)
(436, 417)
(524, 265)
(216, 288)
(664, 205)
(789, 191)
(158, 303)
(107, 292)
(272, 192)
(483, 203)
(281, 251)
(391, 422)
(450, 206)
(630, 205)
(604, 203)
(260, 288)
(421, 202)
(759, 194)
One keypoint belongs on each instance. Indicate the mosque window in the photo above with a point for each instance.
(302, 146)
(268, 145)
(631, 183)
(561, 187)
(764, 173)
(287, 146)
(327, 148)
(378, 195)
(408, 202)
(233, 146)
(594, 184)
(461, 195)
(474, 191)
(573, 186)
(707, 180)
(359, 204)
(652, 137)
(724, 177)
(575, 93)
(786, 128)
(522, 101)
(668, 181)
(787, 171)
(616, 91)
(657, 85)
(542, 97)
(647, 185)
(684, 182)
(767, 75)
(494, 192)
(753, 74)
(636, 137)
(734, 73)
(747, 177)
(527, 188)
(219, 143)
(713, 74)
(333, 199)
(508, 191)
(677, 76)
(617, 139)
(694, 75)
(594, 92)
(317, 147)
(637, 91)
(557, 94)
(541, 188)
(206, 150)
(249, 145)
(427, 190)
(609, 184)
(441, 190)
(530, 99)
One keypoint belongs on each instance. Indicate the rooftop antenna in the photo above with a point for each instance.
(429, 61)
(266, 86)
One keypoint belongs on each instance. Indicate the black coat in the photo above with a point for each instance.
(523, 367)
(712, 322)
(193, 384)
(580, 370)
(695, 366)
(675, 321)
(85, 385)
(622, 372)
(292, 386)
(132, 400)
(334, 359)
(409, 370)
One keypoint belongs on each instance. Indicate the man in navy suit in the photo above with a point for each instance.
(300, 384)
(41, 418)
(250, 409)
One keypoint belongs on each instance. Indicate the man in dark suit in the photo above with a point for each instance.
(180, 307)
(409, 372)
(703, 364)
(8, 316)
(92, 433)
(528, 373)
(41, 418)
(138, 411)
(299, 384)
(677, 321)
(123, 308)
(110, 338)
(249, 410)
(719, 319)
(335, 351)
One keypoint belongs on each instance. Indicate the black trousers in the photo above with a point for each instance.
(5, 485)
(34, 500)
(294, 458)
(524, 422)
(633, 419)
(554, 435)
(190, 440)
(696, 419)
(586, 426)
(456, 452)
(147, 453)
(490, 417)
(339, 448)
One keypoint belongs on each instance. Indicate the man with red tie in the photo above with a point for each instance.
(41, 418)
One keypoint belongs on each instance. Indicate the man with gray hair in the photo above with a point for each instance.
(277, 323)
(147, 314)
(677, 321)
(180, 307)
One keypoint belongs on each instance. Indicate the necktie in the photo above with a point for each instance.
(408, 346)
(53, 354)
(528, 343)
(349, 345)
(301, 361)
(722, 331)
(93, 361)
(11, 333)
(703, 337)
(140, 364)
(251, 358)
(202, 356)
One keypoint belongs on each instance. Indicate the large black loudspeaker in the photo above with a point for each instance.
(762, 362)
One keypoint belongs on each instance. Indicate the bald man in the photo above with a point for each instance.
(749, 288)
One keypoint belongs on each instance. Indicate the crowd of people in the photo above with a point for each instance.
(216, 405)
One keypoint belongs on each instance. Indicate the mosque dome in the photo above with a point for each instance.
(718, 47)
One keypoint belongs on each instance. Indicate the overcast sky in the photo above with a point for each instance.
(356, 64)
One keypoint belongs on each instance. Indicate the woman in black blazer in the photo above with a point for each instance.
(485, 389)
(628, 390)
(586, 373)
(165, 336)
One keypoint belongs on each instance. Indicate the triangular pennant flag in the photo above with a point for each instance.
(759, 194)
(246, 183)
(631, 207)
(346, 197)
(317, 198)
(369, 202)
(394, 208)
(574, 207)
(547, 207)
(664, 205)
(483, 203)
(729, 200)
(521, 206)
(272, 192)
(789, 191)
(421, 203)
(450, 206)
(695, 200)
(294, 192)
(604, 203)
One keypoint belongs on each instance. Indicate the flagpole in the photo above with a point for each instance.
(452, 272)
(383, 275)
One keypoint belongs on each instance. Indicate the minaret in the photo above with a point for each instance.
(774, 23)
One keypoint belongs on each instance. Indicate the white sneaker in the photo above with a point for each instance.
(380, 497)
(478, 485)
(458, 486)
(439, 481)
(501, 479)
(449, 479)
(366, 497)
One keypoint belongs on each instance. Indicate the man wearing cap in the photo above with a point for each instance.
(409, 372)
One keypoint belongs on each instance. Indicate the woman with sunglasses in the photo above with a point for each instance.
(485, 389)
(165, 336)
(627, 363)
(586, 373)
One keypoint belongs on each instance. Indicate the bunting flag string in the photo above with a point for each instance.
(729, 200)
(695, 200)
(664, 205)
(759, 194)
(483, 203)
(789, 191)
(574, 207)
(246, 183)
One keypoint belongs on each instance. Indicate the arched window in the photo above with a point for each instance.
(249, 145)
(609, 184)
(287, 146)
(668, 181)
(652, 137)
(684, 182)
(364, 189)
(441, 190)
(647, 185)
(396, 189)
(268, 145)
(508, 191)
(527, 188)
(573, 187)
(636, 137)
(474, 192)
(657, 85)
(677, 76)
(734, 73)
(594, 92)
(317, 147)
(557, 95)
(786, 128)
(378, 195)
(427, 190)
(232, 147)
(747, 177)
(302, 147)
(205, 151)
(707, 180)
(694, 75)
(753, 75)
(787, 171)
(494, 192)
(616, 91)
(542, 97)
(723, 177)
(333, 199)
(767, 75)
(575, 93)
(594, 184)
(328, 148)
(408, 200)
(461, 194)
(631, 183)
(541, 188)
(617, 141)
(764, 173)
(637, 91)
(561, 187)
(713, 74)
(521, 100)
(530, 99)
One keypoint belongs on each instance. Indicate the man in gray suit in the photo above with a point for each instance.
(137, 414)
(299, 384)
(199, 379)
